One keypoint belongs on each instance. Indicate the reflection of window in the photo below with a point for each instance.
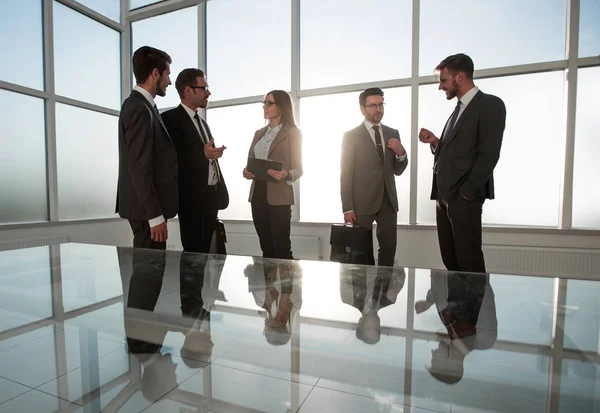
(86, 66)
(581, 322)
(234, 127)
(136, 4)
(23, 55)
(109, 8)
(589, 30)
(22, 159)
(26, 293)
(87, 163)
(248, 47)
(347, 41)
(499, 33)
(527, 177)
(176, 34)
(324, 121)
(586, 197)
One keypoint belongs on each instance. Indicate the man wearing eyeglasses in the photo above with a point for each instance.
(372, 155)
(202, 190)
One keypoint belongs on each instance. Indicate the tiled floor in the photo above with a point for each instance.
(89, 337)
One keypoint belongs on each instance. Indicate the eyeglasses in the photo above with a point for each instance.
(375, 105)
(205, 88)
(268, 103)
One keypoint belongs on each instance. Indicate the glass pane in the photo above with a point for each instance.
(109, 8)
(586, 200)
(25, 287)
(177, 25)
(237, 137)
(21, 22)
(136, 4)
(589, 30)
(22, 159)
(344, 41)
(244, 34)
(320, 185)
(86, 66)
(507, 32)
(582, 324)
(88, 163)
(527, 177)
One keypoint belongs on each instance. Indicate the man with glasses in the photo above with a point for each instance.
(372, 155)
(201, 185)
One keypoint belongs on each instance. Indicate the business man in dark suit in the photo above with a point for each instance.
(464, 160)
(147, 186)
(372, 155)
(200, 177)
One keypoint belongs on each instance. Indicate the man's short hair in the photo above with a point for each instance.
(372, 91)
(459, 62)
(187, 77)
(146, 59)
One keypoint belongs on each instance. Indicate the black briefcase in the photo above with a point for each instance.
(351, 245)
(218, 244)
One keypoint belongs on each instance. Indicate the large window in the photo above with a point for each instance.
(87, 163)
(589, 29)
(109, 8)
(248, 47)
(526, 179)
(324, 121)
(586, 197)
(86, 66)
(498, 33)
(234, 127)
(350, 41)
(21, 47)
(175, 33)
(22, 159)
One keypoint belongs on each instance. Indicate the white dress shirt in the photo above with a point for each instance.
(159, 219)
(213, 177)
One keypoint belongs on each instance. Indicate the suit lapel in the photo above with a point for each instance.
(283, 133)
(468, 110)
(154, 111)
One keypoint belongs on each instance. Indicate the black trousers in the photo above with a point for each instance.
(196, 235)
(272, 223)
(459, 233)
(147, 264)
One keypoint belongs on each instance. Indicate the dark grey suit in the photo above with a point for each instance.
(368, 187)
(463, 178)
(147, 186)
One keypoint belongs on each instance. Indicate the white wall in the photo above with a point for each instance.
(417, 246)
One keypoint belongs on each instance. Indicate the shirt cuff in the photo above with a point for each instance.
(156, 221)
(290, 178)
(401, 157)
(345, 212)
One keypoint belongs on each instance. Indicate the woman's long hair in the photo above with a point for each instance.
(285, 106)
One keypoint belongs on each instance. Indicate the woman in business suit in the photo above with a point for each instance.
(271, 202)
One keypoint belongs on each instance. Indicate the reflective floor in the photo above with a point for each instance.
(87, 328)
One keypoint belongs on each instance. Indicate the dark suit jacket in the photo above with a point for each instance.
(467, 158)
(363, 177)
(147, 186)
(285, 148)
(194, 192)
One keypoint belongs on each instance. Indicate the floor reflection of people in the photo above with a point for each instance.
(146, 330)
(368, 293)
(466, 306)
(277, 288)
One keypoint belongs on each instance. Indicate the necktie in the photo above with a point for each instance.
(378, 144)
(204, 138)
(452, 122)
